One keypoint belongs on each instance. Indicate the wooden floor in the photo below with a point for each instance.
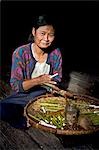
(35, 139)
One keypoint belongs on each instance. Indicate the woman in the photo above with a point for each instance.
(33, 65)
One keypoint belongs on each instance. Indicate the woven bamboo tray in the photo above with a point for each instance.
(31, 107)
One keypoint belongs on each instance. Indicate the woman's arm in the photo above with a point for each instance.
(56, 62)
(27, 84)
(17, 71)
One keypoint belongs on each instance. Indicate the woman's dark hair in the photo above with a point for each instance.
(42, 20)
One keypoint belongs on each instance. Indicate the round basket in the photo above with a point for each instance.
(31, 107)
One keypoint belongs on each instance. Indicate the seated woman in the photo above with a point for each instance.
(32, 67)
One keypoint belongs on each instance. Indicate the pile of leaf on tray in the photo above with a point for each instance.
(51, 110)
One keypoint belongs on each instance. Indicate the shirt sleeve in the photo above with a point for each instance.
(56, 62)
(17, 68)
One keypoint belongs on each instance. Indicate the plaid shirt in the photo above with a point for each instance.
(23, 64)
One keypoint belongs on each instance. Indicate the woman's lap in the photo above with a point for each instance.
(12, 107)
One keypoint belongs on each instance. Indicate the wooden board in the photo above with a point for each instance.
(35, 139)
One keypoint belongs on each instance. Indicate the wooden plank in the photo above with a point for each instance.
(27, 139)
(47, 141)
(35, 139)
(16, 139)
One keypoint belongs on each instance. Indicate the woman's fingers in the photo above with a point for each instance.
(52, 82)
(47, 79)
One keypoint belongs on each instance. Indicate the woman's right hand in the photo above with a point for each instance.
(27, 84)
(46, 79)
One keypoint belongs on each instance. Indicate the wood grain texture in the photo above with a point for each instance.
(35, 139)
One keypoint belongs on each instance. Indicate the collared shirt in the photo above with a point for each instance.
(23, 64)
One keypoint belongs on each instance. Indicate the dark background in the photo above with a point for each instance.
(77, 31)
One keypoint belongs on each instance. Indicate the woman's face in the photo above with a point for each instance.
(44, 36)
